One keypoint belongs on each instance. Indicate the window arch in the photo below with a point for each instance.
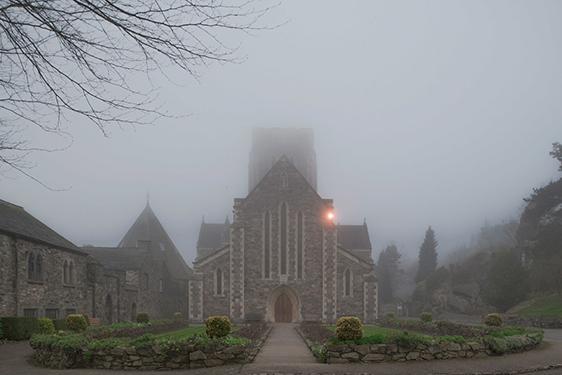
(347, 282)
(65, 272)
(219, 282)
(71, 272)
(300, 245)
(267, 245)
(34, 266)
(284, 180)
(283, 238)
(31, 266)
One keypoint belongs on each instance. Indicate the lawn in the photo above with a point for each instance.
(543, 306)
(182, 333)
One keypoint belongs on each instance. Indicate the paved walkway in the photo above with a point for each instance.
(284, 346)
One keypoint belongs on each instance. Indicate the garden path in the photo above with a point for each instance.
(284, 346)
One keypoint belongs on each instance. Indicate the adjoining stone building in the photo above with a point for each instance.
(283, 258)
(44, 274)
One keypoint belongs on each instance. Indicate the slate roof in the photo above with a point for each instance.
(147, 227)
(354, 237)
(117, 258)
(15, 220)
(213, 235)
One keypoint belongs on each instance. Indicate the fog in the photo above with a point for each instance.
(435, 113)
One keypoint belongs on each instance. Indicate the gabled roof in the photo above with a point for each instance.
(118, 258)
(213, 235)
(15, 220)
(147, 227)
(354, 237)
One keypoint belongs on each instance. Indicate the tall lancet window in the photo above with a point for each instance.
(347, 282)
(283, 239)
(267, 245)
(300, 244)
(219, 286)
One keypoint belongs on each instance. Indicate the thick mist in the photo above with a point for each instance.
(435, 113)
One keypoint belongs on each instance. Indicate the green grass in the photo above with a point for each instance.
(543, 306)
(183, 333)
(373, 334)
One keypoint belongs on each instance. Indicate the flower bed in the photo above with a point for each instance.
(146, 352)
(380, 344)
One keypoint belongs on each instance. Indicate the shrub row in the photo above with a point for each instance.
(19, 328)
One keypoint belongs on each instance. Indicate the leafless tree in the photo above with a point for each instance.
(62, 59)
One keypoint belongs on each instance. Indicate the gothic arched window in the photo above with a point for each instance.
(218, 282)
(71, 272)
(31, 266)
(38, 267)
(347, 282)
(65, 272)
(284, 180)
(267, 245)
(300, 244)
(283, 238)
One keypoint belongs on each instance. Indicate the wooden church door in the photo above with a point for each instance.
(283, 309)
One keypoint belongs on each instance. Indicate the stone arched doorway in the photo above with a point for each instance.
(283, 306)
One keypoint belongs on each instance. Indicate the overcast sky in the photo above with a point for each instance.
(425, 113)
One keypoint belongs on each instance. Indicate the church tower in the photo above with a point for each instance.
(269, 144)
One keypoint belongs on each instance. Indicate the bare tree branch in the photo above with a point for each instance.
(61, 58)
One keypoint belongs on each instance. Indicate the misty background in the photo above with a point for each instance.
(425, 113)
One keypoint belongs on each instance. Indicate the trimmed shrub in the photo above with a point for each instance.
(493, 320)
(19, 328)
(143, 318)
(178, 317)
(76, 322)
(426, 317)
(218, 326)
(87, 318)
(46, 326)
(390, 316)
(349, 328)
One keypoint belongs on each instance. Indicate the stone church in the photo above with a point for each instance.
(283, 258)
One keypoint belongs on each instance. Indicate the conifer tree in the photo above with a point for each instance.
(428, 256)
(388, 269)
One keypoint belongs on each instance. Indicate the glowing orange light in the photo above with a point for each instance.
(330, 215)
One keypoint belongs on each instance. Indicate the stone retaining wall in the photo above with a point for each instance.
(540, 321)
(152, 357)
(477, 348)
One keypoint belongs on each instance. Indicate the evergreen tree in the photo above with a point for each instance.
(506, 281)
(388, 265)
(556, 153)
(428, 256)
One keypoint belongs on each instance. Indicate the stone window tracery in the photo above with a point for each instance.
(219, 282)
(300, 245)
(347, 282)
(267, 245)
(283, 239)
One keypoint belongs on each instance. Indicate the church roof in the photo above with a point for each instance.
(213, 235)
(116, 258)
(354, 237)
(15, 220)
(147, 228)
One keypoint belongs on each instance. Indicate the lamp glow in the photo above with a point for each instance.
(330, 215)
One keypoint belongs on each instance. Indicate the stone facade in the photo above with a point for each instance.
(284, 245)
(44, 275)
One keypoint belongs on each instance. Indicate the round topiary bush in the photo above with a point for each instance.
(349, 328)
(46, 326)
(426, 317)
(178, 317)
(143, 318)
(76, 322)
(493, 320)
(218, 326)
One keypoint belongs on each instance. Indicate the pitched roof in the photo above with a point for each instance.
(17, 221)
(354, 237)
(213, 235)
(118, 258)
(147, 227)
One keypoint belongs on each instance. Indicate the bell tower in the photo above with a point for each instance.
(269, 144)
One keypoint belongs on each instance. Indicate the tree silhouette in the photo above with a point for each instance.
(427, 256)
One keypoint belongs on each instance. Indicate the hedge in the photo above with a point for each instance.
(349, 328)
(19, 328)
